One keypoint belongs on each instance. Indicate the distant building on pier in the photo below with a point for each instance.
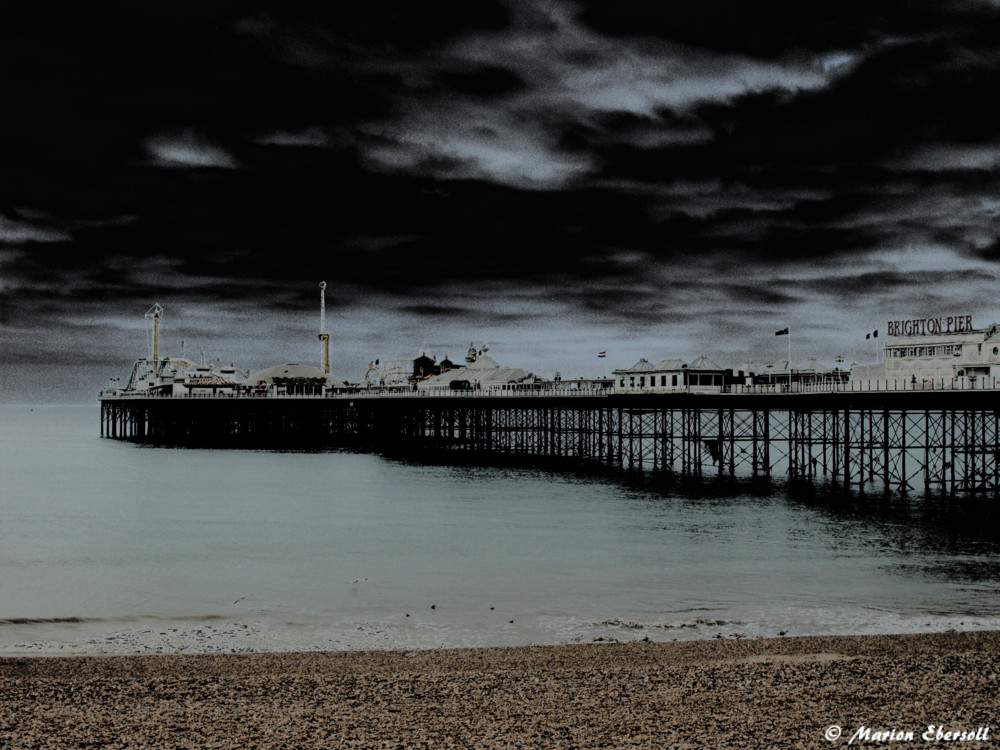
(782, 372)
(581, 383)
(426, 367)
(673, 375)
(482, 373)
(295, 380)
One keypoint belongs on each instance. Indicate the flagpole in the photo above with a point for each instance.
(787, 331)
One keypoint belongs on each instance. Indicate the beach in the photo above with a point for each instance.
(818, 691)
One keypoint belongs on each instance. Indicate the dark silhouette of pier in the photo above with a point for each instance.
(941, 442)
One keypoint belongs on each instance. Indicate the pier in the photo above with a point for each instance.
(938, 441)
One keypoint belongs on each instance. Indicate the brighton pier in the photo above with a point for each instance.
(928, 422)
(893, 441)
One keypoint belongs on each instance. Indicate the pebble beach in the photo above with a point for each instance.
(818, 691)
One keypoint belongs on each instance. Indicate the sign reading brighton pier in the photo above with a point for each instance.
(951, 324)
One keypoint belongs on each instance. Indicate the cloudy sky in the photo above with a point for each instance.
(551, 178)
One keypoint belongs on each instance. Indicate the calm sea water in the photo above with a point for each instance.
(108, 546)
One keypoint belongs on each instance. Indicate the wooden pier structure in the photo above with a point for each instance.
(939, 442)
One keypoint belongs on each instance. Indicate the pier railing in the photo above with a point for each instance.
(873, 386)
(378, 393)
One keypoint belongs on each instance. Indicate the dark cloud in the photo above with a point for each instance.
(892, 281)
(485, 82)
(776, 29)
(548, 175)
(991, 252)
(434, 310)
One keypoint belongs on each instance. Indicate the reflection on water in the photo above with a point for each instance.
(951, 539)
(292, 545)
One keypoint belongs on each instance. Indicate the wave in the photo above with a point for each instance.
(675, 625)
(132, 618)
(46, 620)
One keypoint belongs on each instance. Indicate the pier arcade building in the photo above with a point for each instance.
(937, 351)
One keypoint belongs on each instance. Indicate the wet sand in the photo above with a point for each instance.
(782, 692)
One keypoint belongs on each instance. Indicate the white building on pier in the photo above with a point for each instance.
(482, 374)
(671, 375)
(939, 352)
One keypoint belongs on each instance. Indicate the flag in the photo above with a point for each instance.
(872, 335)
(782, 332)
(868, 336)
(875, 335)
(602, 354)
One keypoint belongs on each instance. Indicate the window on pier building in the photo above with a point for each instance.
(674, 377)
(705, 379)
(941, 350)
(663, 379)
(642, 381)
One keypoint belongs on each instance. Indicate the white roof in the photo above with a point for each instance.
(670, 364)
(483, 363)
(642, 365)
(704, 363)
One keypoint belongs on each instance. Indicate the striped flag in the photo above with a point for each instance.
(782, 332)
(602, 354)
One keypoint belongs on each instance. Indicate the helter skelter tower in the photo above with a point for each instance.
(154, 314)
(324, 335)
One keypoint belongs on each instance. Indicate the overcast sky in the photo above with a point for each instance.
(550, 178)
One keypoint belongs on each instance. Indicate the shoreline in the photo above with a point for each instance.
(699, 693)
(222, 635)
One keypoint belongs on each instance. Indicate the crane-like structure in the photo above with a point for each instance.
(324, 335)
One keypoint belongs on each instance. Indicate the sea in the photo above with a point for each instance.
(113, 547)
